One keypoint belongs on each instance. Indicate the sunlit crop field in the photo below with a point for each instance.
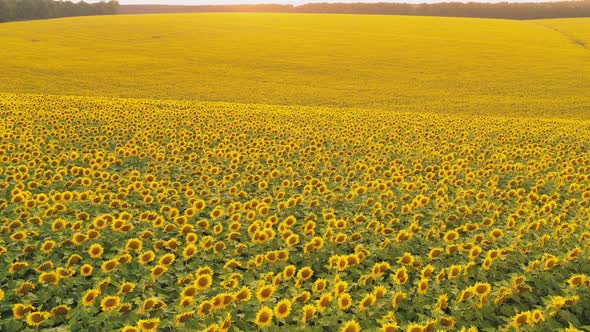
(421, 64)
(145, 215)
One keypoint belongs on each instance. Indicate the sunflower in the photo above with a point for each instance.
(496, 233)
(427, 271)
(126, 287)
(474, 252)
(17, 266)
(184, 317)
(204, 270)
(454, 271)
(228, 298)
(19, 310)
(577, 280)
(22, 290)
(414, 327)
(37, 318)
(61, 310)
(232, 264)
(86, 270)
(191, 238)
(73, 259)
(398, 297)
(89, 297)
(125, 307)
(79, 238)
(149, 325)
(244, 294)
(435, 253)
(573, 253)
(537, 316)
(146, 257)
(148, 304)
(487, 264)
(203, 281)
(129, 328)
(109, 266)
(47, 246)
(30, 248)
(49, 278)
(18, 236)
(189, 291)
(340, 287)
(156, 303)
(205, 308)
(308, 313)
(65, 273)
(304, 273)
(226, 324)
(264, 316)
(466, 294)
(367, 301)
(447, 322)
(186, 301)
(401, 276)
(482, 289)
(442, 302)
(319, 285)
(157, 271)
(323, 302)
(95, 250)
(58, 225)
(344, 301)
(379, 291)
(264, 293)
(289, 271)
(520, 319)
(351, 326)
(451, 236)
(303, 297)
(283, 308)
(292, 240)
(189, 251)
(134, 245)
(423, 286)
(389, 327)
(167, 259)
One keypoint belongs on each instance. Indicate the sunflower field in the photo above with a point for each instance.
(402, 63)
(145, 215)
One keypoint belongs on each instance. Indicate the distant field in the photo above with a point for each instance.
(477, 66)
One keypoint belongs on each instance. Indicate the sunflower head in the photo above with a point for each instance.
(37, 318)
(283, 308)
(351, 326)
(264, 316)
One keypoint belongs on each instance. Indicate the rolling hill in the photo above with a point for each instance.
(476, 66)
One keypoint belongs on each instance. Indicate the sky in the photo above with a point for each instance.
(291, 2)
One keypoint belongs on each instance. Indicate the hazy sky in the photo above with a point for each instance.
(292, 2)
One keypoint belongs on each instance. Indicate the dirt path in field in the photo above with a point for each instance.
(573, 39)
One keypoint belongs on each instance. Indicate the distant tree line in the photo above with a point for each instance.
(17, 10)
(20, 10)
(506, 10)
